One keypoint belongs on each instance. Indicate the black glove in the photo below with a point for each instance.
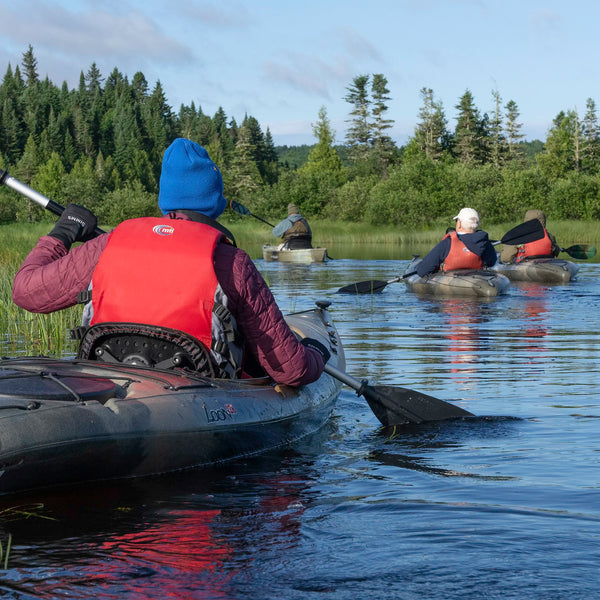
(76, 224)
(318, 346)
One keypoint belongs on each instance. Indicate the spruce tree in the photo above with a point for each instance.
(384, 147)
(323, 157)
(498, 145)
(358, 134)
(469, 135)
(431, 132)
(590, 151)
(513, 129)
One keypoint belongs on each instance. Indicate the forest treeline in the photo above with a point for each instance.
(101, 145)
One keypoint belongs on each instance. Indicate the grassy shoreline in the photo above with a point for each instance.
(336, 232)
(33, 334)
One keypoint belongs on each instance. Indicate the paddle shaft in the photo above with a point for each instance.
(43, 201)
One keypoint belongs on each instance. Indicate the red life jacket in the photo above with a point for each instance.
(539, 248)
(158, 271)
(459, 256)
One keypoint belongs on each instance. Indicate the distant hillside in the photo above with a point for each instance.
(294, 157)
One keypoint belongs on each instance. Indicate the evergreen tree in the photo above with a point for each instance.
(139, 86)
(384, 147)
(49, 179)
(470, 135)
(431, 133)
(271, 161)
(11, 131)
(323, 158)
(590, 151)
(243, 178)
(498, 145)
(358, 135)
(513, 130)
(158, 124)
(30, 67)
(93, 80)
(558, 158)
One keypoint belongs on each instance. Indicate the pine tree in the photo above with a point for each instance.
(590, 151)
(30, 66)
(558, 158)
(384, 147)
(513, 130)
(243, 177)
(470, 135)
(323, 157)
(498, 145)
(358, 135)
(431, 133)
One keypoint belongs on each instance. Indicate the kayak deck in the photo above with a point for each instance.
(539, 270)
(300, 256)
(71, 421)
(461, 282)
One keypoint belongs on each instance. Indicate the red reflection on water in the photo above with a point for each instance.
(463, 335)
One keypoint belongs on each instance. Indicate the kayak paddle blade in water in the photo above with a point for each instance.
(399, 406)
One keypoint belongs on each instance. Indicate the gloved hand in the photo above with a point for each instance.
(76, 224)
(318, 346)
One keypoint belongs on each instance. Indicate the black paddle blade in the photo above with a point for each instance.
(580, 251)
(399, 406)
(525, 233)
(239, 208)
(372, 286)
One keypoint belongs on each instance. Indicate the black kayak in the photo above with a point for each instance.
(66, 421)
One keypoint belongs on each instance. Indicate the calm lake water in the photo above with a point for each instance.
(506, 505)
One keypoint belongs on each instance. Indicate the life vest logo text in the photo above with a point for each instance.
(163, 229)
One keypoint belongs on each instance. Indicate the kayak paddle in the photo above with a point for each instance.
(580, 251)
(524, 233)
(242, 210)
(43, 201)
(399, 406)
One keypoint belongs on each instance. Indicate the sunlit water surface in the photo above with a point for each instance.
(506, 505)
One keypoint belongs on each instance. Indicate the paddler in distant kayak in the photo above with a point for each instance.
(544, 248)
(294, 230)
(181, 271)
(463, 248)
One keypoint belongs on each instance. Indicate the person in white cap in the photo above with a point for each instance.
(464, 248)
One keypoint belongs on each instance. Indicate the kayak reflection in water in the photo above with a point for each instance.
(181, 271)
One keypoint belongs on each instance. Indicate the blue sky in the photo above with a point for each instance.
(282, 60)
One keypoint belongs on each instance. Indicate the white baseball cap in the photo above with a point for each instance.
(468, 215)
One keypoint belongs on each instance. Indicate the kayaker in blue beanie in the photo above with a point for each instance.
(181, 271)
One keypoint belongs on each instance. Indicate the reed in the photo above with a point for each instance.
(25, 333)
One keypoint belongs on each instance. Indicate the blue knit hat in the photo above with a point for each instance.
(190, 180)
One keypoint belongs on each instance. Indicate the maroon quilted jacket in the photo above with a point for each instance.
(51, 277)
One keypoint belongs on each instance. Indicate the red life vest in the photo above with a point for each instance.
(459, 256)
(158, 271)
(539, 248)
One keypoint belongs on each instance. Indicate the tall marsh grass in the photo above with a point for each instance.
(22, 332)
